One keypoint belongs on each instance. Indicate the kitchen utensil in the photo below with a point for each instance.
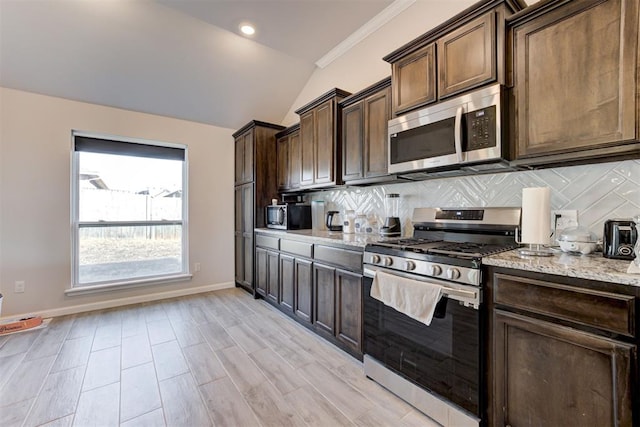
(333, 221)
(578, 240)
(619, 238)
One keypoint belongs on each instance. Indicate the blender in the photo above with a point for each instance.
(391, 226)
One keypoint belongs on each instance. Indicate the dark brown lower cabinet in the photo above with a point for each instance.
(303, 290)
(267, 274)
(552, 375)
(349, 309)
(261, 271)
(273, 276)
(287, 281)
(324, 310)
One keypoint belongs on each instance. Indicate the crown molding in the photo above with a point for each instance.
(390, 12)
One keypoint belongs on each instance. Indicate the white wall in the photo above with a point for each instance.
(363, 64)
(35, 169)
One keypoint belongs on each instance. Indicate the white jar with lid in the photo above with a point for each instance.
(349, 225)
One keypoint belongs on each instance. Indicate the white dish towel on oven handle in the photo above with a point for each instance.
(414, 298)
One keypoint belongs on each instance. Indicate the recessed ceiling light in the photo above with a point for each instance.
(247, 29)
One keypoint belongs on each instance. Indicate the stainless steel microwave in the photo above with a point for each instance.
(288, 217)
(466, 130)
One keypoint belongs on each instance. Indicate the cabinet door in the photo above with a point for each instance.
(303, 292)
(467, 56)
(238, 212)
(239, 257)
(248, 260)
(414, 79)
(287, 280)
(324, 144)
(576, 77)
(551, 375)
(282, 148)
(324, 316)
(307, 144)
(377, 112)
(239, 160)
(261, 271)
(247, 208)
(352, 141)
(349, 309)
(295, 161)
(273, 276)
(247, 169)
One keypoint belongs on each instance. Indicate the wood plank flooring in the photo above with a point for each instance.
(215, 359)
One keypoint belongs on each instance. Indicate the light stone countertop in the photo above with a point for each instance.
(355, 240)
(592, 267)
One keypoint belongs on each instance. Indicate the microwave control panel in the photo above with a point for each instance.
(481, 128)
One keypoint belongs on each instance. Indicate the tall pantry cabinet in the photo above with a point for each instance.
(255, 185)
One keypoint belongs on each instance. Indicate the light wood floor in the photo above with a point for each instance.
(220, 358)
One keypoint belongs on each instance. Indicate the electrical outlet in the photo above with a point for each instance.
(563, 219)
(196, 266)
(19, 286)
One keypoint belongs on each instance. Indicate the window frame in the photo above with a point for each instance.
(76, 224)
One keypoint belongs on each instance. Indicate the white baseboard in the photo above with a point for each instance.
(118, 302)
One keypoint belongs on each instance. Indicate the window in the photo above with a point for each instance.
(129, 211)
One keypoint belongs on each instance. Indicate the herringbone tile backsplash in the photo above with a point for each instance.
(598, 192)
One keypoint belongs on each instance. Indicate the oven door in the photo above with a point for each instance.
(443, 358)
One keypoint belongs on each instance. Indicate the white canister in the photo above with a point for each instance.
(349, 223)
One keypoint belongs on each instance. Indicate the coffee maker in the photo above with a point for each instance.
(391, 226)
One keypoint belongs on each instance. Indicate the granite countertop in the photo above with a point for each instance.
(330, 237)
(592, 267)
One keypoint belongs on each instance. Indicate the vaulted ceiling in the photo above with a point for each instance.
(176, 58)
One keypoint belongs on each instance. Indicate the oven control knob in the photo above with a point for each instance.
(388, 261)
(375, 259)
(434, 270)
(453, 273)
(409, 265)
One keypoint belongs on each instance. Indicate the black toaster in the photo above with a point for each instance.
(619, 238)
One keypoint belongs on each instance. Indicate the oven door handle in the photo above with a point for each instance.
(469, 296)
(457, 137)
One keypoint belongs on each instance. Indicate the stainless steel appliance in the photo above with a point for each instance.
(437, 368)
(288, 217)
(619, 238)
(468, 131)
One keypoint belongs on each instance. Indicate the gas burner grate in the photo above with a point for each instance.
(405, 243)
(472, 249)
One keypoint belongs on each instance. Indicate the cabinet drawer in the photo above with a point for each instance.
(603, 310)
(350, 260)
(269, 242)
(297, 248)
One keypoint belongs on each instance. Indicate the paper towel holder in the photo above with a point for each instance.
(533, 249)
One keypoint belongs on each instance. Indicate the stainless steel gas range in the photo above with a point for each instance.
(438, 368)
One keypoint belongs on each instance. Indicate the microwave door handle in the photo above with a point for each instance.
(457, 137)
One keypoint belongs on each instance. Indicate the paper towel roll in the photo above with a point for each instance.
(536, 215)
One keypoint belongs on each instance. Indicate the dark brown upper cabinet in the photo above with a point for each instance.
(320, 148)
(467, 56)
(365, 117)
(414, 79)
(576, 81)
(255, 179)
(289, 159)
(465, 52)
